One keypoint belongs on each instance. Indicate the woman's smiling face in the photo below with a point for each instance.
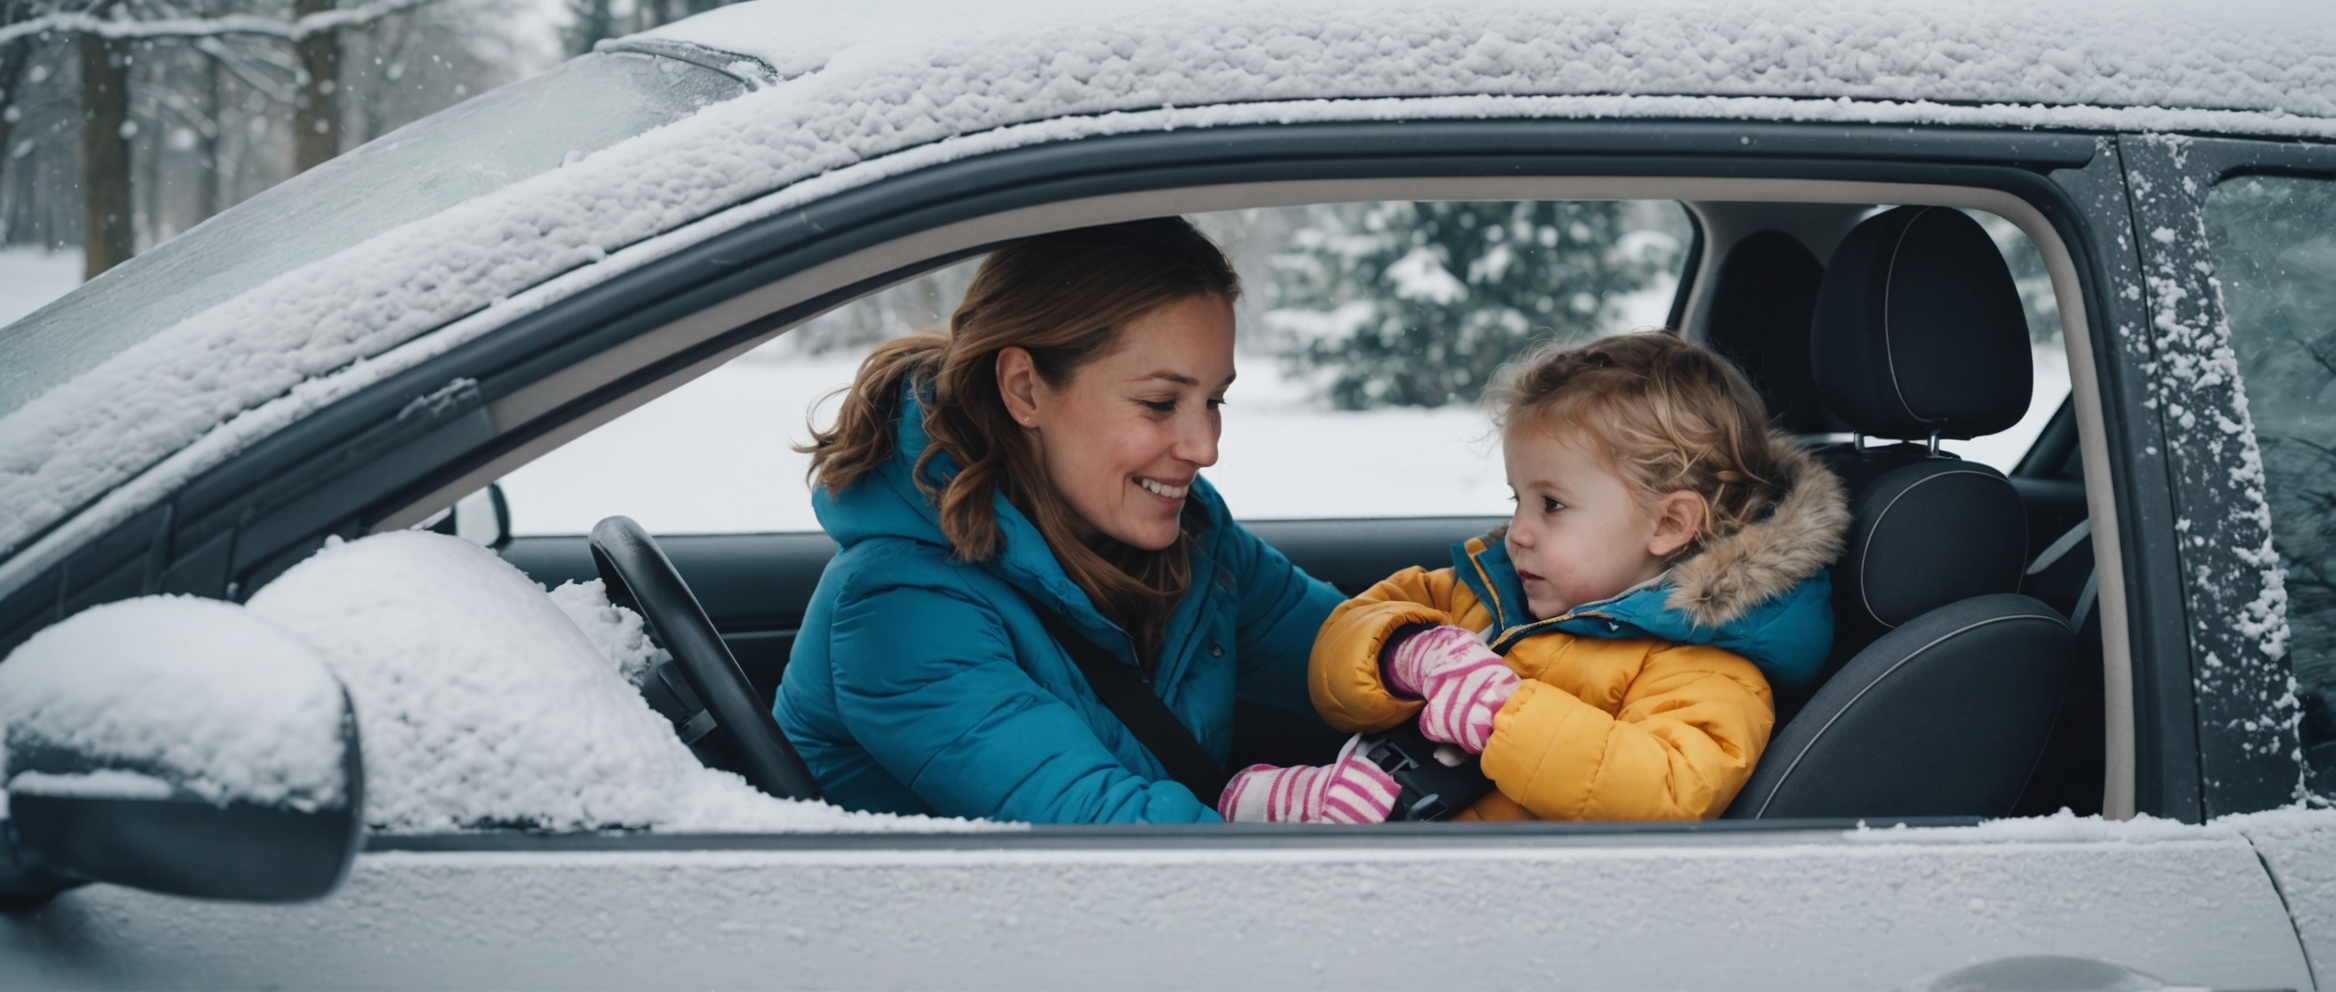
(1123, 440)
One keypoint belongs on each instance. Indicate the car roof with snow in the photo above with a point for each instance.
(841, 97)
(897, 72)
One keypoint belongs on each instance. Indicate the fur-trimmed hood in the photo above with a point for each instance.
(1796, 540)
(1761, 592)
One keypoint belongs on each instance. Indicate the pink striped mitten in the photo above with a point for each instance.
(1348, 790)
(1463, 681)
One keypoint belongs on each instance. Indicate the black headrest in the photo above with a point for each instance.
(1919, 329)
(1761, 301)
(1927, 532)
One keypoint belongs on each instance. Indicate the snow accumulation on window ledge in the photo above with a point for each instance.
(2065, 826)
(98, 785)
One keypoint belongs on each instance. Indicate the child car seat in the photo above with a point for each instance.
(1943, 682)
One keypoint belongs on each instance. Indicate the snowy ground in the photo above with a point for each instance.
(714, 456)
(31, 277)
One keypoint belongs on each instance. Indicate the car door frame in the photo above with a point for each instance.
(421, 438)
(2246, 711)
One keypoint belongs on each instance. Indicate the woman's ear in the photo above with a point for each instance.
(1018, 385)
(1679, 519)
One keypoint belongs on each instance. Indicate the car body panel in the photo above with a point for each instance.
(2298, 848)
(542, 319)
(1807, 910)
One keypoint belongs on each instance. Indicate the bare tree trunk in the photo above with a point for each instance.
(207, 194)
(13, 56)
(316, 125)
(147, 151)
(105, 154)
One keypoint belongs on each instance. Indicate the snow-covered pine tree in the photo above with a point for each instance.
(1415, 304)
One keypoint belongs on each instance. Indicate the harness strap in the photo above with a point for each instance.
(1129, 698)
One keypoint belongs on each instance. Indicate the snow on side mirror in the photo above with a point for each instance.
(177, 745)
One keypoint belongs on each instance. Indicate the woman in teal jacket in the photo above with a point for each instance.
(1044, 455)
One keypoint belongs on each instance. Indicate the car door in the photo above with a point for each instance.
(2242, 275)
(1733, 904)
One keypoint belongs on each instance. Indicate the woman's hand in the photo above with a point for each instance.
(1463, 681)
(1348, 790)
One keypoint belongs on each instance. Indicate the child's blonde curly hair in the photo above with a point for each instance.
(1671, 416)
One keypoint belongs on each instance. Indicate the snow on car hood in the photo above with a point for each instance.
(481, 704)
(180, 696)
(875, 89)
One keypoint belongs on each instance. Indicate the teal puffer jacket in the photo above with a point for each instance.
(924, 684)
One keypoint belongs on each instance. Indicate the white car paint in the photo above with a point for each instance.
(2298, 848)
(2234, 905)
(1863, 910)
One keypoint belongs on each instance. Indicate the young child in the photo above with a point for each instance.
(1608, 652)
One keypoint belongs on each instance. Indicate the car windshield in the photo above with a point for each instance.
(480, 146)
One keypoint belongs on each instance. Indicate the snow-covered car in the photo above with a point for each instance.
(2073, 739)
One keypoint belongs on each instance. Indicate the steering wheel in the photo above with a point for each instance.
(732, 725)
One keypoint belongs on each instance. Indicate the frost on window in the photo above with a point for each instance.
(2274, 247)
(1365, 331)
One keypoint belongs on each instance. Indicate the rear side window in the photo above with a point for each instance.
(2274, 247)
(1367, 331)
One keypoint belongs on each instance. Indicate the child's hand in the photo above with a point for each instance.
(1348, 790)
(1463, 681)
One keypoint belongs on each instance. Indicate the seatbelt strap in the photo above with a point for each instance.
(1132, 700)
(2051, 555)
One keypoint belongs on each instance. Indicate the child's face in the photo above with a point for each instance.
(1580, 534)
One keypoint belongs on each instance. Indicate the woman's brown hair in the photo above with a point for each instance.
(1063, 297)
(1671, 415)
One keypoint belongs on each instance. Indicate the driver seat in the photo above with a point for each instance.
(1944, 683)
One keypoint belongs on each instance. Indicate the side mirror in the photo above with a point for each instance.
(482, 518)
(177, 745)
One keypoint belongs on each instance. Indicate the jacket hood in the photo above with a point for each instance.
(1802, 535)
(888, 503)
(1761, 592)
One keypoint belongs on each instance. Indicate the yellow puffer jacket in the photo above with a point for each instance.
(1600, 730)
(1623, 727)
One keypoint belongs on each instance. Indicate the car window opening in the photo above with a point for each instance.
(1331, 290)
